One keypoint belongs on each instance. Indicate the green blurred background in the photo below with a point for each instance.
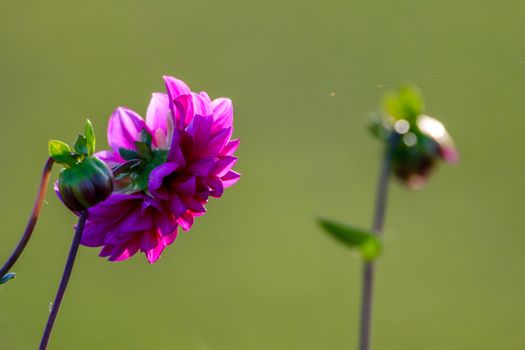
(255, 272)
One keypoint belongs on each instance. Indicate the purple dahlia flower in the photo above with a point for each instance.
(166, 167)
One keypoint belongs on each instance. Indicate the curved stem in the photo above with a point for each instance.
(64, 281)
(377, 227)
(32, 219)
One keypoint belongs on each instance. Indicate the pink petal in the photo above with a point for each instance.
(201, 105)
(222, 113)
(449, 155)
(186, 221)
(183, 111)
(169, 239)
(158, 119)
(125, 251)
(230, 179)
(154, 254)
(175, 87)
(205, 96)
(230, 147)
(111, 158)
(124, 129)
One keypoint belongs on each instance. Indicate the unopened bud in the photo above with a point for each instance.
(85, 184)
(421, 140)
(85, 180)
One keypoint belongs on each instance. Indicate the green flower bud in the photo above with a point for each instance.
(85, 184)
(85, 180)
(421, 140)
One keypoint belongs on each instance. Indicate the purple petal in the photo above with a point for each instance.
(216, 186)
(223, 165)
(202, 167)
(193, 204)
(165, 224)
(217, 142)
(176, 206)
(156, 177)
(186, 185)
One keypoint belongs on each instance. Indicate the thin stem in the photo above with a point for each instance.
(65, 279)
(32, 219)
(377, 227)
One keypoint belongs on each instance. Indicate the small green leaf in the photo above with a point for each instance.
(145, 137)
(406, 103)
(81, 145)
(7, 277)
(128, 154)
(143, 150)
(58, 148)
(90, 138)
(366, 242)
(61, 153)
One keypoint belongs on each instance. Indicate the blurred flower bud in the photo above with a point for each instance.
(85, 180)
(421, 141)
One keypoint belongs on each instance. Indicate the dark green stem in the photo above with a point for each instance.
(377, 228)
(64, 281)
(32, 219)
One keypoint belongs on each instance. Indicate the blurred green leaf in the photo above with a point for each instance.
(366, 242)
(61, 153)
(143, 150)
(405, 103)
(379, 126)
(7, 277)
(90, 138)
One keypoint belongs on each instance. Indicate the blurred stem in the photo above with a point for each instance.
(64, 281)
(377, 228)
(32, 219)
